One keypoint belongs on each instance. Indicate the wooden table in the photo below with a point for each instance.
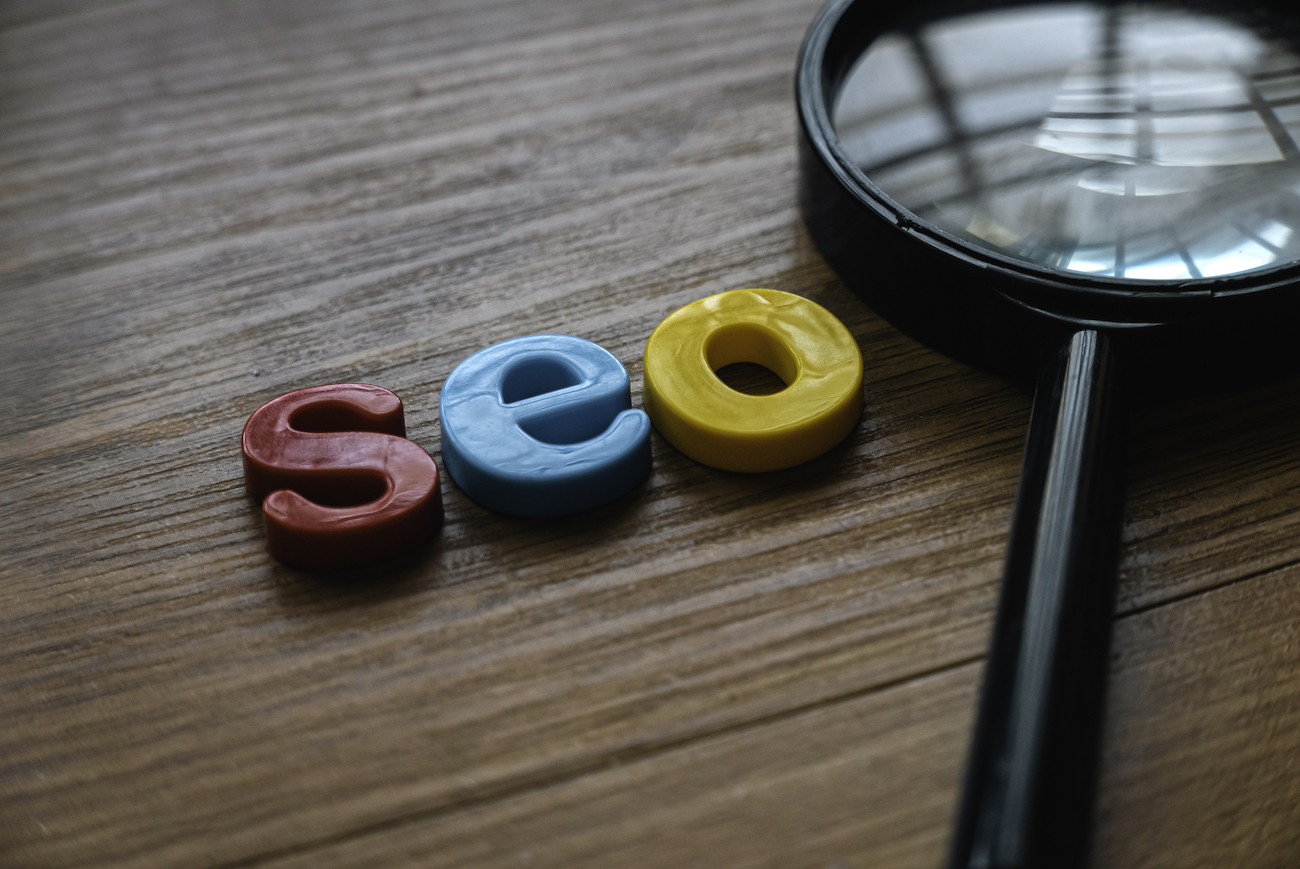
(204, 205)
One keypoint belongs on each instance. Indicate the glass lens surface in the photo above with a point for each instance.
(1138, 142)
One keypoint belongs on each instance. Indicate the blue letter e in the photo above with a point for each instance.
(542, 426)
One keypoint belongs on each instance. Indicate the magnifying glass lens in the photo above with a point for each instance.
(1132, 142)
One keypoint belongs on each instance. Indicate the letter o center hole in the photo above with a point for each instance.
(750, 359)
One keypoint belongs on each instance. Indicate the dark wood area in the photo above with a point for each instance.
(206, 204)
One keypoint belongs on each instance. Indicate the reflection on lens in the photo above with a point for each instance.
(1126, 141)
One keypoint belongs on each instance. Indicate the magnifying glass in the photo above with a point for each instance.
(1102, 199)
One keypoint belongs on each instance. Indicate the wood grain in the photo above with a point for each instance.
(872, 779)
(204, 205)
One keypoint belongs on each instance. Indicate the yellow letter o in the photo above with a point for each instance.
(798, 340)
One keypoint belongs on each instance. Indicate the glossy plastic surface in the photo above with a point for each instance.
(543, 425)
(340, 484)
(798, 340)
(1030, 777)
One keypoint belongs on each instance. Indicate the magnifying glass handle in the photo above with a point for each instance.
(1028, 794)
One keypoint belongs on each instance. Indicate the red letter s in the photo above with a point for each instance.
(339, 483)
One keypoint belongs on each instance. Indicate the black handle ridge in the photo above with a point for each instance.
(1030, 778)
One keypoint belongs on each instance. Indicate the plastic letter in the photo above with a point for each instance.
(543, 425)
(340, 484)
(798, 340)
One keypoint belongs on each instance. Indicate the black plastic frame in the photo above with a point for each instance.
(1090, 343)
(993, 311)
